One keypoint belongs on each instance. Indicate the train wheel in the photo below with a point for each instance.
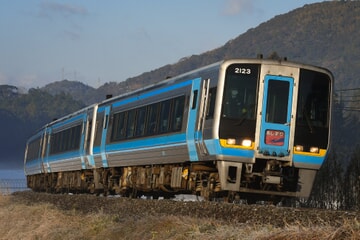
(133, 193)
(92, 188)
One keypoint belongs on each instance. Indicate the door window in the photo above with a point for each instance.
(277, 102)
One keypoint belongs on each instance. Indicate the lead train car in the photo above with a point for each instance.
(252, 128)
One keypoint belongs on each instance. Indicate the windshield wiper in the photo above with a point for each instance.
(308, 121)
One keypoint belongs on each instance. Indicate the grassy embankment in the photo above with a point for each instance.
(45, 221)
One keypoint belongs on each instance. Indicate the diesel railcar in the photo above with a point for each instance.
(257, 129)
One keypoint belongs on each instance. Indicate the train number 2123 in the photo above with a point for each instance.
(242, 70)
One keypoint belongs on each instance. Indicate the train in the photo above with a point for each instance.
(254, 129)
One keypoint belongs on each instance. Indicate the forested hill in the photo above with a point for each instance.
(22, 114)
(324, 34)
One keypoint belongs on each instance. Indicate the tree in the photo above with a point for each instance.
(328, 186)
(352, 182)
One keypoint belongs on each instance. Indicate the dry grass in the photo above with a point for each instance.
(45, 221)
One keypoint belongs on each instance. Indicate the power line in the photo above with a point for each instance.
(350, 100)
(349, 95)
(348, 89)
(348, 109)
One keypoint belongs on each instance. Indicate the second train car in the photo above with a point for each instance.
(256, 129)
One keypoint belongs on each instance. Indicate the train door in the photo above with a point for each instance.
(34, 160)
(192, 116)
(46, 150)
(104, 136)
(90, 137)
(202, 106)
(276, 116)
(85, 141)
(196, 118)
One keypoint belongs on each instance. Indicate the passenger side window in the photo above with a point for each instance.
(119, 127)
(140, 122)
(211, 103)
(178, 111)
(152, 119)
(66, 140)
(33, 150)
(130, 130)
(98, 129)
(164, 116)
(157, 118)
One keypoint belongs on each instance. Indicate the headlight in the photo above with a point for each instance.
(231, 141)
(246, 143)
(299, 148)
(314, 150)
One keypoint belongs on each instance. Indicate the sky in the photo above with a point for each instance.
(94, 42)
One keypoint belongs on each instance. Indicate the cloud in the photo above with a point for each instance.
(235, 7)
(71, 34)
(48, 8)
(22, 80)
(27, 81)
(64, 14)
(141, 34)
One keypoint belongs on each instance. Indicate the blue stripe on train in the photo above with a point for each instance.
(151, 93)
(66, 122)
(191, 121)
(145, 144)
(63, 156)
(306, 159)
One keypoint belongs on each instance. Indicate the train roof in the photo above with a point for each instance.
(216, 65)
(187, 76)
(169, 81)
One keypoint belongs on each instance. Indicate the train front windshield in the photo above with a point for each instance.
(313, 110)
(238, 114)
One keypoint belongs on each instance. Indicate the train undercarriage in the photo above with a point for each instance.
(212, 181)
